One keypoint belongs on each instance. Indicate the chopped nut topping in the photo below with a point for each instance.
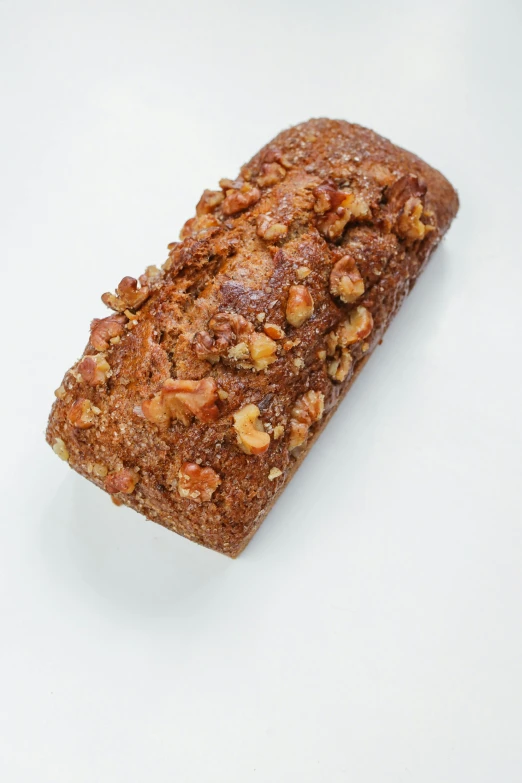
(274, 473)
(262, 350)
(321, 355)
(128, 295)
(60, 449)
(274, 331)
(357, 326)
(339, 367)
(209, 201)
(300, 305)
(307, 410)
(238, 200)
(346, 281)
(197, 483)
(226, 329)
(121, 481)
(94, 370)
(261, 317)
(183, 400)
(81, 414)
(251, 437)
(103, 329)
(269, 229)
(222, 394)
(409, 224)
(303, 272)
(299, 363)
(278, 432)
(60, 392)
(271, 174)
(406, 202)
(336, 209)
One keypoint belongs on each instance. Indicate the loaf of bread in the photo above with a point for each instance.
(198, 397)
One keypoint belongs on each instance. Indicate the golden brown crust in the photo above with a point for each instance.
(208, 385)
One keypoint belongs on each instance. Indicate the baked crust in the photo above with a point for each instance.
(281, 287)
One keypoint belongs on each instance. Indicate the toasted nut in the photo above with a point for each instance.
(300, 305)
(273, 331)
(269, 229)
(60, 392)
(303, 272)
(60, 449)
(128, 295)
(357, 327)
(121, 481)
(307, 410)
(197, 483)
(262, 350)
(274, 473)
(321, 355)
(94, 369)
(271, 174)
(336, 209)
(103, 329)
(209, 201)
(183, 400)
(260, 317)
(251, 437)
(339, 367)
(238, 200)
(226, 330)
(222, 394)
(346, 281)
(409, 224)
(81, 414)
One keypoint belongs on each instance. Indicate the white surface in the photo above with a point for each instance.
(372, 630)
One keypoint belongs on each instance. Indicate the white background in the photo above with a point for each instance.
(372, 630)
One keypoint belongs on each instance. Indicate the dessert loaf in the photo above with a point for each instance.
(197, 398)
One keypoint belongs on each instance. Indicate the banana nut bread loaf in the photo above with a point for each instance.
(196, 400)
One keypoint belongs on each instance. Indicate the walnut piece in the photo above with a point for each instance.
(183, 400)
(357, 327)
(340, 366)
(269, 229)
(251, 436)
(121, 481)
(405, 199)
(82, 414)
(307, 410)
(226, 330)
(336, 208)
(94, 369)
(274, 473)
(262, 350)
(303, 272)
(61, 449)
(197, 483)
(209, 201)
(300, 305)
(239, 198)
(198, 225)
(103, 329)
(127, 294)
(346, 281)
(60, 392)
(271, 174)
